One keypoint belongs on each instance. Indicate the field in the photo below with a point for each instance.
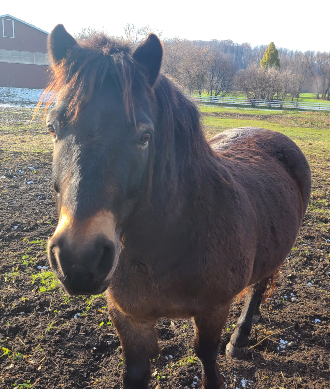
(50, 340)
(310, 98)
(304, 97)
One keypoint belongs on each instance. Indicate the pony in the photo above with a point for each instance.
(162, 221)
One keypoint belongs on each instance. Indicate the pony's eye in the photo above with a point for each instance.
(51, 129)
(145, 138)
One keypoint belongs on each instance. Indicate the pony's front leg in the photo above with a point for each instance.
(139, 344)
(207, 342)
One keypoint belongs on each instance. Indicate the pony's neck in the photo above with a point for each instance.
(183, 159)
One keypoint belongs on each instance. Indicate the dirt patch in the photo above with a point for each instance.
(51, 340)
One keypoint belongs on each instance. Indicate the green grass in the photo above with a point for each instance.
(310, 130)
(310, 98)
(26, 384)
(304, 97)
(47, 281)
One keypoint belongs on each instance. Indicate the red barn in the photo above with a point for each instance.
(23, 54)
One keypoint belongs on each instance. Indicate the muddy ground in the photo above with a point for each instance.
(51, 340)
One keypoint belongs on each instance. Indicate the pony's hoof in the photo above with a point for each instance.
(256, 318)
(214, 382)
(235, 352)
(219, 385)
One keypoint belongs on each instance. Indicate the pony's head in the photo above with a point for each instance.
(102, 127)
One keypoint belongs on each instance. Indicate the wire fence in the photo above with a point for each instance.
(256, 103)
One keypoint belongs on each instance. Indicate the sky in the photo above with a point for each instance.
(292, 24)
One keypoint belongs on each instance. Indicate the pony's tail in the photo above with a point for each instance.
(271, 283)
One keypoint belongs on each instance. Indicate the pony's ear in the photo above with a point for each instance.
(59, 43)
(149, 54)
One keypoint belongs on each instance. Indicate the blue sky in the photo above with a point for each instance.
(292, 24)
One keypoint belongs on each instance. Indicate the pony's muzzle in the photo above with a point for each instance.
(84, 255)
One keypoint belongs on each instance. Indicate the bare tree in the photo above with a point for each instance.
(87, 32)
(257, 83)
(174, 53)
(135, 35)
(252, 82)
(221, 72)
(187, 63)
(323, 64)
(195, 66)
(289, 85)
(299, 66)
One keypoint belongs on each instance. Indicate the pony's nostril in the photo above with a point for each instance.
(107, 258)
(52, 257)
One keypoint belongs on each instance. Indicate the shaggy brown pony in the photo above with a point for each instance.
(166, 223)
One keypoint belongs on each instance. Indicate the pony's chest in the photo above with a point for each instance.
(140, 290)
(179, 290)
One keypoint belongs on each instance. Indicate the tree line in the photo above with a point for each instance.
(220, 67)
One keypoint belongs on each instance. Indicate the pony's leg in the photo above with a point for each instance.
(250, 315)
(207, 343)
(139, 344)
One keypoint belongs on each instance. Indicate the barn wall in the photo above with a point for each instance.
(26, 38)
(26, 57)
(23, 59)
(18, 75)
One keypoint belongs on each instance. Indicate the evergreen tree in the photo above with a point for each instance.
(270, 58)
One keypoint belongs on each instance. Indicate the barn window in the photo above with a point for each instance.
(8, 30)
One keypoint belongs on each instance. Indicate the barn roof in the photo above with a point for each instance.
(22, 21)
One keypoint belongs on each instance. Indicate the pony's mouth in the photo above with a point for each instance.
(82, 289)
(81, 281)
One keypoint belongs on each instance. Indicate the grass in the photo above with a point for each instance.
(26, 384)
(24, 135)
(304, 97)
(310, 130)
(310, 98)
(47, 281)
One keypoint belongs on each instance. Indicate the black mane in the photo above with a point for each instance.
(86, 68)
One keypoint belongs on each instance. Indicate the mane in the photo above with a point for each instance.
(85, 69)
(181, 148)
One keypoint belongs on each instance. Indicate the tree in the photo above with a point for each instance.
(300, 67)
(221, 72)
(87, 32)
(323, 67)
(135, 35)
(196, 62)
(270, 58)
(187, 63)
(252, 81)
(257, 83)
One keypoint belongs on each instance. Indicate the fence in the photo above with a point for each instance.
(256, 103)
